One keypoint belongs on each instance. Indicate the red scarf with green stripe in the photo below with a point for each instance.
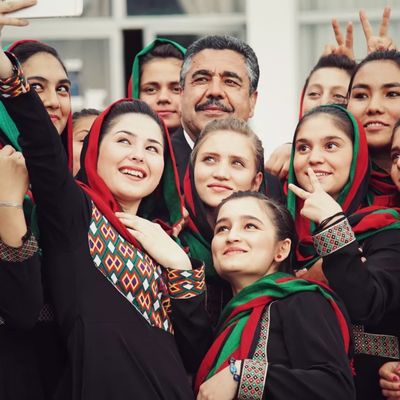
(164, 205)
(354, 198)
(239, 320)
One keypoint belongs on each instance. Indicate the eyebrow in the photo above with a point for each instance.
(40, 78)
(226, 74)
(386, 85)
(242, 217)
(135, 135)
(325, 138)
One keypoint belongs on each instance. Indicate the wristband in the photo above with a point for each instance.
(233, 370)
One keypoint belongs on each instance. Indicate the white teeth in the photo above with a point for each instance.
(373, 124)
(132, 172)
(322, 174)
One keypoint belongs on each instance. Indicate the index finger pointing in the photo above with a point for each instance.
(313, 179)
(299, 192)
(349, 36)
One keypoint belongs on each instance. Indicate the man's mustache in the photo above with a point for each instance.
(212, 101)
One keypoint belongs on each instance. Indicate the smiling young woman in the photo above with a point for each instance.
(343, 241)
(276, 328)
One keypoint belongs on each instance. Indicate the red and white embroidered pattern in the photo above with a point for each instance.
(186, 284)
(333, 238)
(19, 254)
(133, 273)
(254, 371)
(375, 344)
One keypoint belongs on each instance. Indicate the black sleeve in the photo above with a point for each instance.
(319, 366)
(192, 325)
(369, 281)
(62, 205)
(21, 297)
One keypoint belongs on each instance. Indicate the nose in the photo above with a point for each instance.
(164, 96)
(50, 99)
(221, 171)
(233, 235)
(375, 105)
(137, 154)
(215, 88)
(316, 156)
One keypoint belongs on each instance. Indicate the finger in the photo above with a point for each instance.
(11, 21)
(386, 384)
(365, 25)
(7, 150)
(337, 31)
(15, 5)
(349, 35)
(328, 49)
(383, 29)
(313, 180)
(299, 192)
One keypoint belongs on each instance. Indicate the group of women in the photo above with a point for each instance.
(116, 282)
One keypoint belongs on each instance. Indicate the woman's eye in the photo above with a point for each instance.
(153, 149)
(339, 97)
(149, 90)
(393, 94)
(313, 95)
(331, 146)
(176, 90)
(238, 163)
(302, 148)
(36, 86)
(209, 159)
(220, 228)
(124, 141)
(63, 89)
(250, 226)
(359, 95)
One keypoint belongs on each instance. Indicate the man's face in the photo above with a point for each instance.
(216, 86)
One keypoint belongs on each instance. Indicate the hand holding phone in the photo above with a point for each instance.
(43, 8)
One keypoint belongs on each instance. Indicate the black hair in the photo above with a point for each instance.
(161, 50)
(126, 107)
(338, 61)
(280, 216)
(25, 50)
(85, 112)
(379, 55)
(339, 116)
(223, 42)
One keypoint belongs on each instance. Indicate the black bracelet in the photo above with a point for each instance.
(326, 221)
(233, 370)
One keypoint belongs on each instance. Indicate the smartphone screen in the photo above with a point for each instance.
(51, 8)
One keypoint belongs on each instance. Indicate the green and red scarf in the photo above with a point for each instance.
(164, 205)
(238, 323)
(365, 218)
(134, 80)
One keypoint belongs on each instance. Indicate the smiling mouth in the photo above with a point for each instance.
(133, 172)
(230, 252)
(219, 188)
(375, 124)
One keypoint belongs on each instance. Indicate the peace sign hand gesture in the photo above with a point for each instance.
(382, 41)
(318, 205)
(345, 45)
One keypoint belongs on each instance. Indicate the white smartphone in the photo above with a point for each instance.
(50, 8)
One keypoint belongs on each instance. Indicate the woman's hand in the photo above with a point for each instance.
(315, 273)
(278, 162)
(177, 229)
(318, 205)
(13, 176)
(389, 380)
(344, 45)
(382, 41)
(156, 242)
(221, 386)
(6, 7)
